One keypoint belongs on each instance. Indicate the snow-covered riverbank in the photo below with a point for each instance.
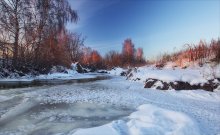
(56, 73)
(170, 77)
(55, 77)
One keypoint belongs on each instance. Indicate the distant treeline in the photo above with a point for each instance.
(130, 56)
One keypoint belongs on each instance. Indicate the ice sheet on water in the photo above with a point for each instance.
(59, 118)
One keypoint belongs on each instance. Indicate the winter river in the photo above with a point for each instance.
(74, 107)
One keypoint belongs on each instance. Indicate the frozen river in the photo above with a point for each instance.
(21, 112)
(63, 109)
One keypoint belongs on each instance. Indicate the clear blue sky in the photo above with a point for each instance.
(155, 25)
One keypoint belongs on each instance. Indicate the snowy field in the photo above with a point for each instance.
(116, 107)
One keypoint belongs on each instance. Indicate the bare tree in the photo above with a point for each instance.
(26, 25)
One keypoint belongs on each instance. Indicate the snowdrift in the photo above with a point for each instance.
(148, 119)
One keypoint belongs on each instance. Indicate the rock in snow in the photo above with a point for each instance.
(210, 85)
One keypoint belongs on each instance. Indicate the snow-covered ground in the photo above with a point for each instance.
(116, 106)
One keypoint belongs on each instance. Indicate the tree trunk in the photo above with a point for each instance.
(15, 53)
